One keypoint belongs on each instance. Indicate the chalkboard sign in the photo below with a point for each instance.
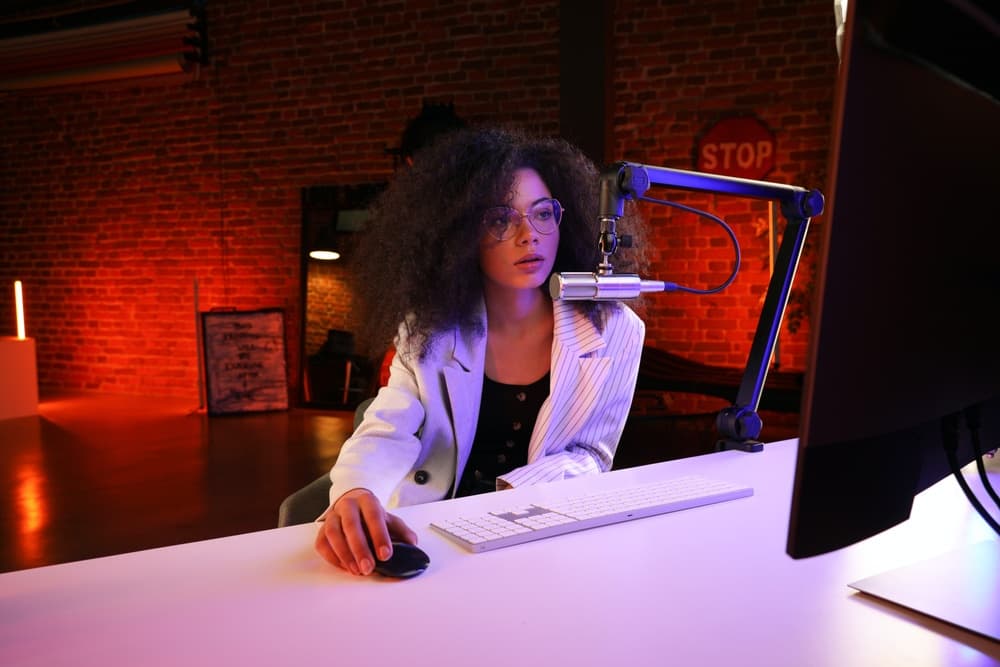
(245, 361)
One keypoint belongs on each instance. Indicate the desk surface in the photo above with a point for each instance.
(707, 586)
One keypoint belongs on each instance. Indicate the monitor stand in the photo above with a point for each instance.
(961, 587)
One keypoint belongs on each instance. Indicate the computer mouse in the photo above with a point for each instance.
(406, 561)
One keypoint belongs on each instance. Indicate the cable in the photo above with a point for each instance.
(972, 420)
(949, 440)
(673, 287)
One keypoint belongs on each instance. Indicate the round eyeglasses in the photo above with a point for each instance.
(502, 221)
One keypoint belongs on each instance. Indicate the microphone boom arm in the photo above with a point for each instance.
(738, 425)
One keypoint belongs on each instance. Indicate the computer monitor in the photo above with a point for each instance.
(908, 279)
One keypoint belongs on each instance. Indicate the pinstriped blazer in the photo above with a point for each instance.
(416, 435)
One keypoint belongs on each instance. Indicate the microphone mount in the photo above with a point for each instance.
(738, 425)
(618, 182)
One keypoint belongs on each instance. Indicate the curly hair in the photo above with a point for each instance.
(419, 255)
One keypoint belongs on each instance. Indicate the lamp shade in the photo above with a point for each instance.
(325, 247)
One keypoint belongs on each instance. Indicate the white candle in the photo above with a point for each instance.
(19, 306)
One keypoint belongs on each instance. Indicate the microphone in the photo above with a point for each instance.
(578, 286)
(617, 183)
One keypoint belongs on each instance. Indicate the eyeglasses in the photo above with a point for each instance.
(501, 221)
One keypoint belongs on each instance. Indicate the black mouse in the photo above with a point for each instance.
(406, 561)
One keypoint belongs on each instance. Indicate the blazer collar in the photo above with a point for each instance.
(467, 348)
(572, 327)
(575, 330)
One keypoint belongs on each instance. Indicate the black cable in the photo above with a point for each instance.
(973, 422)
(949, 440)
(732, 235)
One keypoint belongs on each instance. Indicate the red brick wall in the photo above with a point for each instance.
(114, 200)
(682, 66)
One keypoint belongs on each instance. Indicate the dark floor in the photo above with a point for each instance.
(96, 475)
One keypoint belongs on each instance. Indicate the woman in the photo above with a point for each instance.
(493, 384)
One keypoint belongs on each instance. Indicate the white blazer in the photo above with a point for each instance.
(416, 435)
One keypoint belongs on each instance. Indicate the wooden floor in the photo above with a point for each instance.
(96, 475)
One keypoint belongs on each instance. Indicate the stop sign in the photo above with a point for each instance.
(741, 147)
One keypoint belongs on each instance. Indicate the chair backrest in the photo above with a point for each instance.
(338, 344)
(383, 371)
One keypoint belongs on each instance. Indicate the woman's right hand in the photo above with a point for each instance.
(342, 542)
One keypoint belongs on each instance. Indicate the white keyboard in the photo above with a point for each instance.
(587, 510)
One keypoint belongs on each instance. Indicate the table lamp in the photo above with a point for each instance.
(19, 379)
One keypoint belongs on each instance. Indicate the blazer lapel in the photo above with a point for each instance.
(463, 380)
(575, 381)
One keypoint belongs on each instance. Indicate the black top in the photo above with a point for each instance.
(507, 415)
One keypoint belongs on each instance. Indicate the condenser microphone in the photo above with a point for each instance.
(578, 286)
(618, 182)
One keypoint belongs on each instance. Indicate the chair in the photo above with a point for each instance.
(336, 376)
(304, 505)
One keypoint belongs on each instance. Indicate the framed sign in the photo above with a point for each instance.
(245, 369)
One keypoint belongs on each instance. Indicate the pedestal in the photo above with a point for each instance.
(18, 378)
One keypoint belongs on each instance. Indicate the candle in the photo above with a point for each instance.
(19, 306)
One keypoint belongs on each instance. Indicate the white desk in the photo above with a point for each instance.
(708, 586)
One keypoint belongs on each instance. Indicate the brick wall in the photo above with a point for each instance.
(117, 200)
(330, 303)
(682, 66)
